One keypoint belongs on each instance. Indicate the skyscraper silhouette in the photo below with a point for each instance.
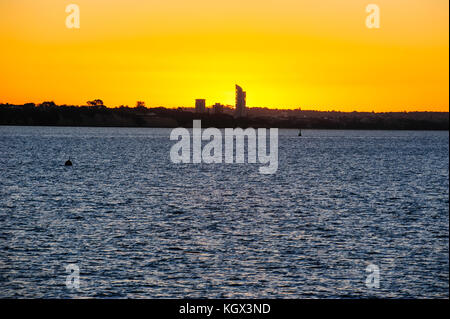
(200, 106)
(240, 102)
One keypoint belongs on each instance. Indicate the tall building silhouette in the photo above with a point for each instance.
(240, 102)
(200, 106)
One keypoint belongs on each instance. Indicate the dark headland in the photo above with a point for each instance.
(50, 114)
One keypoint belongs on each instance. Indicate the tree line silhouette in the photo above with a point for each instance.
(95, 113)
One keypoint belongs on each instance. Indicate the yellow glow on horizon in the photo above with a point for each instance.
(315, 54)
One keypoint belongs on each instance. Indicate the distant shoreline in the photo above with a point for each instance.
(100, 116)
(284, 128)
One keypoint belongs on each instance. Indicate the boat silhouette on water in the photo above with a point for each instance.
(68, 163)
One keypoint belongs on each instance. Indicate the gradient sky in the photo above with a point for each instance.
(314, 54)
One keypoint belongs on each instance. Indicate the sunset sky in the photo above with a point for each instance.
(314, 54)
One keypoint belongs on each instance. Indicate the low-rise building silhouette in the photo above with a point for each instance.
(218, 108)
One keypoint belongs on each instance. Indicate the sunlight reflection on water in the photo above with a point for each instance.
(139, 226)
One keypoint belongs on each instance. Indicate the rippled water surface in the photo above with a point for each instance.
(139, 226)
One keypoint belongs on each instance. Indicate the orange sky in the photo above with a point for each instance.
(314, 54)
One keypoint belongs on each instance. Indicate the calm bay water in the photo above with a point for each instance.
(139, 226)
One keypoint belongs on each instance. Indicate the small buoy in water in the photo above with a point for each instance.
(68, 163)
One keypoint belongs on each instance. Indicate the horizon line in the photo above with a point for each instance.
(232, 107)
